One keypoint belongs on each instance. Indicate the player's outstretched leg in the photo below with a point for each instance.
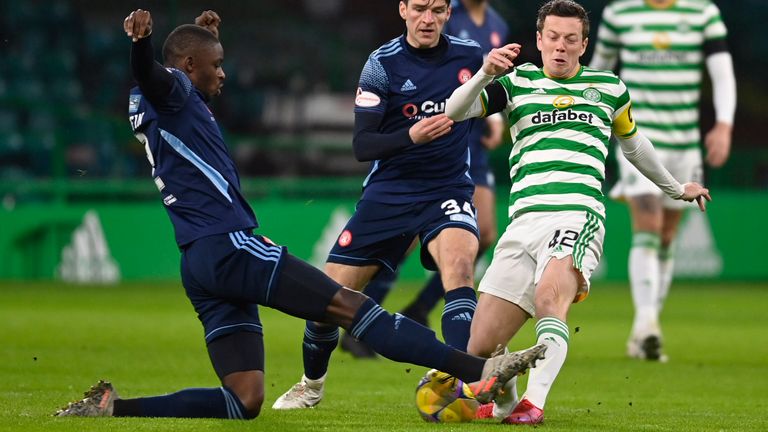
(377, 289)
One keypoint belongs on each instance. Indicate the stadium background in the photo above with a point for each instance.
(292, 66)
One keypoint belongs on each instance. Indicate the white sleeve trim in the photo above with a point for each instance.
(720, 68)
(639, 151)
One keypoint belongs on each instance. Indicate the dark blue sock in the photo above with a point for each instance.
(431, 293)
(396, 337)
(457, 316)
(380, 285)
(190, 403)
(319, 343)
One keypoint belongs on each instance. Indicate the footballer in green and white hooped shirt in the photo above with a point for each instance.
(663, 45)
(562, 116)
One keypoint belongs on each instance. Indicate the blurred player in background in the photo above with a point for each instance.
(478, 21)
(226, 270)
(662, 45)
(418, 185)
(562, 116)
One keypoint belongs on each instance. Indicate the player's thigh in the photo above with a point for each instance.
(378, 234)
(568, 246)
(495, 322)
(354, 277)
(448, 231)
(485, 203)
(646, 212)
(240, 351)
(558, 287)
(304, 291)
(510, 276)
(453, 246)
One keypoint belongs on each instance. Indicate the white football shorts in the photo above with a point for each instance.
(684, 165)
(528, 243)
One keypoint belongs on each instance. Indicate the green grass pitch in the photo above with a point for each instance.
(56, 340)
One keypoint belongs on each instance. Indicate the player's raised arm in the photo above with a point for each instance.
(210, 20)
(155, 82)
(466, 101)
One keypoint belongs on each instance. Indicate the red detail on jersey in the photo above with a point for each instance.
(410, 110)
(495, 39)
(345, 238)
(465, 75)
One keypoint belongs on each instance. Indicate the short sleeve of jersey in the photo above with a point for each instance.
(623, 122)
(373, 87)
(714, 28)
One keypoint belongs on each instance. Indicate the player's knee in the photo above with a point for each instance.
(248, 387)
(252, 404)
(549, 303)
(481, 347)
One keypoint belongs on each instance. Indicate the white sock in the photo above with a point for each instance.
(666, 269)
(507, 401)
(644, 280)
(554, 334)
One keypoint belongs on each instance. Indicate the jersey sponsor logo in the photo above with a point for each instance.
(412, 111)
(592, 95)
(562, 102)
(495, 39)
(345, 238)
(465, 75)
(408, 86)
(366, 99)
(170, 199)
(539, 91)
(661, 41)
(556, 116)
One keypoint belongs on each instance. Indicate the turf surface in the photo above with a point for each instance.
(56, 340)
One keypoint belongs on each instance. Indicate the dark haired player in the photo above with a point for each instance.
(227, 270)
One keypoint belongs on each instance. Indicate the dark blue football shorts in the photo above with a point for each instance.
(380, 233)
(226, 276)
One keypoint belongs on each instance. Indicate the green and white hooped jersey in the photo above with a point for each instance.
(662, 51)
(560, 131)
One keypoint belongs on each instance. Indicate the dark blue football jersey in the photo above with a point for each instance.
(406, 88)
(492, 34)
(191, 165)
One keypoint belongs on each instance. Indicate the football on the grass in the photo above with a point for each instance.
(444, 398)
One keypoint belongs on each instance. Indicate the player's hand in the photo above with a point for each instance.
(718, 144)
(694, 191)
(429, 129)
(210, 20)
(501, 59)
(138, 24)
